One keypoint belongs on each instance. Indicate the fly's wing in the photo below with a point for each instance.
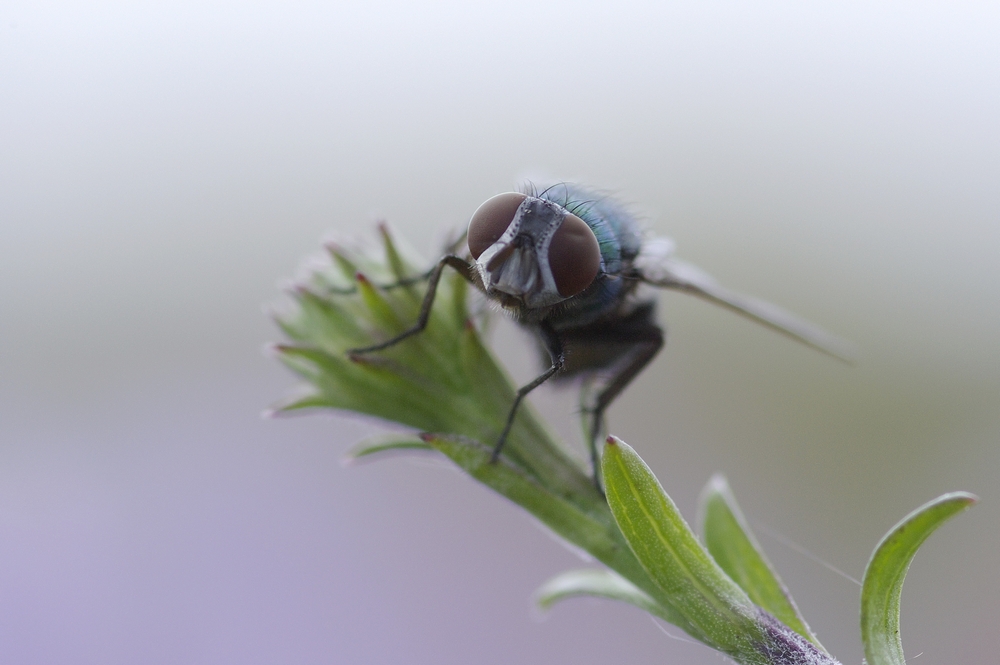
(658, 267)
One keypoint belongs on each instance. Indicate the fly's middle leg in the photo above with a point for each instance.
(557, 353)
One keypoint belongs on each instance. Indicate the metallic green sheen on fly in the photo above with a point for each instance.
(572, 266)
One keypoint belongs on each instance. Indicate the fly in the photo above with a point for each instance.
(568, 265)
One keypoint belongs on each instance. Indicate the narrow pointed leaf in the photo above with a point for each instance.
(400, 269)
(324, 322)
(379, 306)
(601, 584)
(733, 546)
(883, 581)
(347, 267)
(386, 443)
(297, 403)
(671, 553)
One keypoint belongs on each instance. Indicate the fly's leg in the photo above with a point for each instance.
(451, 253)
(647, 342)
(451, 249)
(557, 353)
(463, 267)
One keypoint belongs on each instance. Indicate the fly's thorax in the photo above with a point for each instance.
(530, 252)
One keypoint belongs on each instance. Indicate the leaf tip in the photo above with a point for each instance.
(717, 488)
(717, 484)
(967, 498)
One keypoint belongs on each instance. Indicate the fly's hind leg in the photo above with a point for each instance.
(616, 350)
(646, 342)
(463, 267)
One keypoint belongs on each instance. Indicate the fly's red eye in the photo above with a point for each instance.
(491, 220)
(574, 256)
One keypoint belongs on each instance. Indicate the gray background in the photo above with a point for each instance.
(161, 168)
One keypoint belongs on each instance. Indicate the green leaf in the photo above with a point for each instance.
(671, 554)
(399, 267)
(602, 584)
(303, 400)
(883, 581)
(384, 443)
(733, 546)
(348, 268)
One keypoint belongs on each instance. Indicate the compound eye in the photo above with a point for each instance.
(574, 256)
(491, 220)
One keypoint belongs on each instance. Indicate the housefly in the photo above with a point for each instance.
(568, 264)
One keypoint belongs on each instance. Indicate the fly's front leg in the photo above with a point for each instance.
(557, 353)
(463, 267)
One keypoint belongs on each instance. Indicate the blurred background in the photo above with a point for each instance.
(163, 168)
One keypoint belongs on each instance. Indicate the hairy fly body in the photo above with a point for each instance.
(568, 264)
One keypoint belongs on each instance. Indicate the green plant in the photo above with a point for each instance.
(447, 386)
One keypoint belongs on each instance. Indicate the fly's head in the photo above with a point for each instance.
(531, 252)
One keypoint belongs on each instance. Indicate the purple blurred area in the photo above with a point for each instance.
(162, 169)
